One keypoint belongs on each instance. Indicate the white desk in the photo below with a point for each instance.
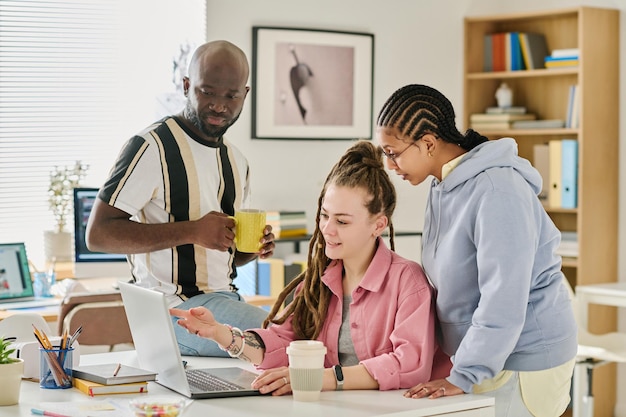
(346, 403)
(610, 294)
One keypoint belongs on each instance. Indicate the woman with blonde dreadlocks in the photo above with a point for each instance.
(372, 309)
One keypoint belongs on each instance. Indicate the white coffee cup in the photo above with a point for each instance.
(306, 369)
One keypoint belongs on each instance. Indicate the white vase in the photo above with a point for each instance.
(10, 381)
(58, 246)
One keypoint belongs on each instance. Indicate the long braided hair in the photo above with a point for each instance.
(417, 109)
(361, 166)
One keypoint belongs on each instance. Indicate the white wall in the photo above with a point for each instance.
(416, 41)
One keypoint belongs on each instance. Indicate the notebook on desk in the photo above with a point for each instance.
(16, 285)
(157, 350)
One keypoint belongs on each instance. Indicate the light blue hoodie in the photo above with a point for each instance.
(488, 248)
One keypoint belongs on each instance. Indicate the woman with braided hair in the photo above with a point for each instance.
(488, 247)
(372, 309)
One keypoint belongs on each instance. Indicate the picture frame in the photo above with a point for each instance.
(311, 84)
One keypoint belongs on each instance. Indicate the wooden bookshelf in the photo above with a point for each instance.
(595, 31)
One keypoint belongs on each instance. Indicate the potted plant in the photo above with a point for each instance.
(11, 371)
(63, 180)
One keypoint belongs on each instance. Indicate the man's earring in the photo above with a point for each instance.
(430, 154)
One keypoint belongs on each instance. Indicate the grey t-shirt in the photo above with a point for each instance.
(347, 355)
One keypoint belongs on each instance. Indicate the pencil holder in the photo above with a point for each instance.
(55, 368)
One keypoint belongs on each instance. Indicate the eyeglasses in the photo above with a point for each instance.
(394, 156)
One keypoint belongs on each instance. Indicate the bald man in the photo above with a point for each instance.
(167, 201)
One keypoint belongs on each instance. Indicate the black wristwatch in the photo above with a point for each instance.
(338, 377)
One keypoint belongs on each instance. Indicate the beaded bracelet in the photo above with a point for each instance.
(236, 333)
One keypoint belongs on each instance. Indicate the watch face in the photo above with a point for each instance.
(338, 373)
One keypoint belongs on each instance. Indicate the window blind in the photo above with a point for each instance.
(77, 79)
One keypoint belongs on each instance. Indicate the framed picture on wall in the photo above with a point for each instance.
(311, 84)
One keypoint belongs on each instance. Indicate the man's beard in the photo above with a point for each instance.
(211, 131)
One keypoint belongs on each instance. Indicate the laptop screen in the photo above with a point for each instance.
(15, 279)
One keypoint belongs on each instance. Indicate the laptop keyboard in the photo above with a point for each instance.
(206, 382)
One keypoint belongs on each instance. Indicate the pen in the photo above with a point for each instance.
(46, 413)
(117, 369)
(75, 336)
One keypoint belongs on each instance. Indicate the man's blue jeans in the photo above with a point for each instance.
(227, 308)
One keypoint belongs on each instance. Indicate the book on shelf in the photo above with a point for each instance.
(569, 245)
(573, 107)
(287, 223)
(487, 53)
(508, 110)
(514, 61)
(538, 124)
(561, 62)
(498, 51)
(109, 374)
(93, 388)
(534, 49)
(502, 52)
(565, 53)
(484, 126)
(500, 117)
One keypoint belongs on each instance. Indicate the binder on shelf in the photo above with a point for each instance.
(541, 162)
(292, 270)
(569, 173)
(554, 192)
(270, 276)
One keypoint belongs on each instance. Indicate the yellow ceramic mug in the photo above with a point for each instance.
(249, 230)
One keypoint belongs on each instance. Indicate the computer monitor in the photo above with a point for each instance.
(89, 264)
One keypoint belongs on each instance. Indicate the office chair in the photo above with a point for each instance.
(594, 350)
(101, 315)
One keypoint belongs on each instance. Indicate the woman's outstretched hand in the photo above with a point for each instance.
(197, 320)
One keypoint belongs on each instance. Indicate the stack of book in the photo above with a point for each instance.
(497, 121)
(287, 223)
(563, 58)
(111, 378)
(568, 248)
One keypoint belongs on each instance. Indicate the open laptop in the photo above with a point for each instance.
(16, 285)
(157, 350)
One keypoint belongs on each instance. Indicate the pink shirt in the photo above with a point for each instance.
(392, 321)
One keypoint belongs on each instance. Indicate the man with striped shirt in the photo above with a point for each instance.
(170, 192)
